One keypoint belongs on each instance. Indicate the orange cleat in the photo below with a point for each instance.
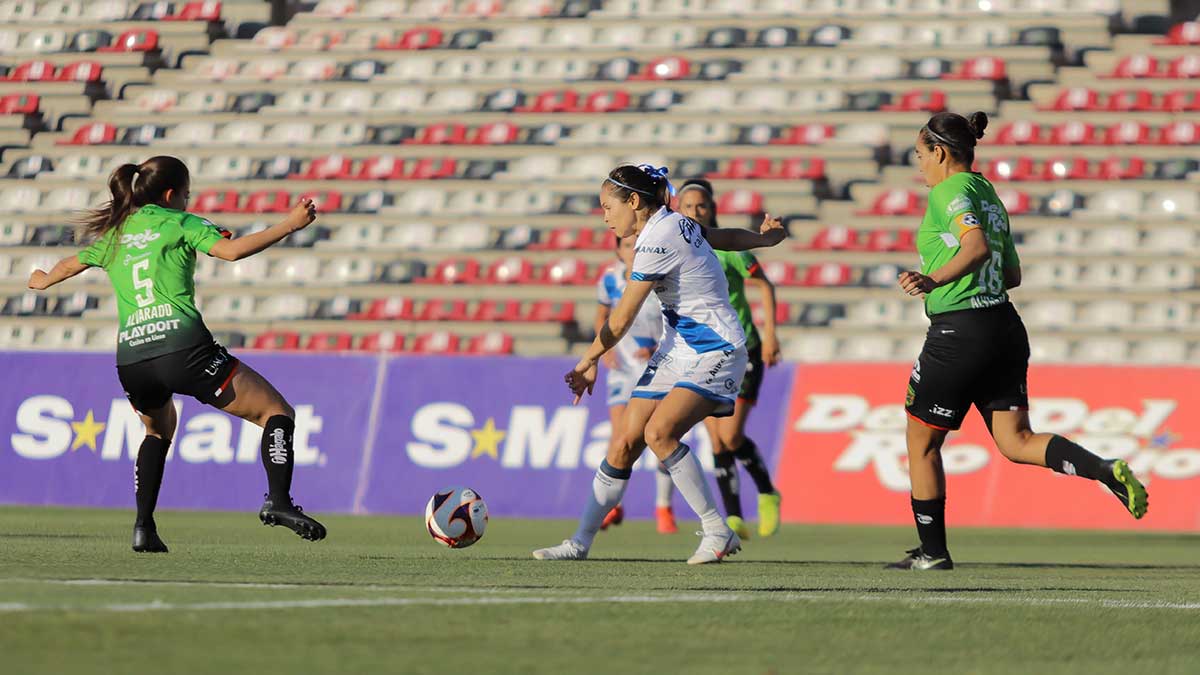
(666, 520)
(614, 517)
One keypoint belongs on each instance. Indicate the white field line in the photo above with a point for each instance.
(392, 588)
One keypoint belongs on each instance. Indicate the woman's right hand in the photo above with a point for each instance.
(302, 215)
(39, 281)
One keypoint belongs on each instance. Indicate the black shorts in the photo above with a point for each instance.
(971, 357)
(753, 379)
(203, 371)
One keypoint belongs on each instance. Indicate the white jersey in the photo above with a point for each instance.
(690, 285)
(647, 328)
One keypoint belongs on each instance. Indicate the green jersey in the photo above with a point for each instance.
(738, 266)
(963, 202)
(151, 260)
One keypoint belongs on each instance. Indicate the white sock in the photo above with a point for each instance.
(607, 489)
(689, 478)
(664, 487)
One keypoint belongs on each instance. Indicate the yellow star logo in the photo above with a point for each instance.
(487, 440)
(86, 432)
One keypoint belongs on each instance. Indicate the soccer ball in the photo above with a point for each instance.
(456, 517)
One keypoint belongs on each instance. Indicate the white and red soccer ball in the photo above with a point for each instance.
(456, 517)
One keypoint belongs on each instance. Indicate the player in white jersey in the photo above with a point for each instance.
(624, 366)
(696, 371)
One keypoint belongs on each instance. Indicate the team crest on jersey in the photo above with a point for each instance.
(139, 240)
(958, 204)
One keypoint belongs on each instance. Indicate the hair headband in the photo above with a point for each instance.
(695, 186)
(938, 137)
(658, 174)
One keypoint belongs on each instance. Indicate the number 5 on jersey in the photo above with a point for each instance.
(143, 299)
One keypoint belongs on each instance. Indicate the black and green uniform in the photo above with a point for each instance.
(163, 346)
(739, 266)
(976, 350)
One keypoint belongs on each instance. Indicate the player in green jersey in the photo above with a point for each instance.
(728, 434)
(147, 243)
(976, 350)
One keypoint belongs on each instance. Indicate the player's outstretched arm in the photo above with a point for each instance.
(301, 216)
(770, 233)
(583, 376)
(64, 269)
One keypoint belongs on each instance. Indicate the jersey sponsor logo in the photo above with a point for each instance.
(949, 240)
(140, 240)
(49, 427)
(941, 412)
(447, 434)
(655, 250)
(958, 204)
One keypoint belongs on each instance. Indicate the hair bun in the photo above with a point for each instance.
(977, 122)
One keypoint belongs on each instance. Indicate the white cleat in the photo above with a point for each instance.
(714, 547)
(568, 550)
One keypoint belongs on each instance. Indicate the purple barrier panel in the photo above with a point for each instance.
(71, 437)
(506, 427)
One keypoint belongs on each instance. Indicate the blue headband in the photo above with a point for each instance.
(658, 174)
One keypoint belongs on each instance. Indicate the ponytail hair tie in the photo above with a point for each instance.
(658, 174)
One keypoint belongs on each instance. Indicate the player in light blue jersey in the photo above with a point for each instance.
(698, 367)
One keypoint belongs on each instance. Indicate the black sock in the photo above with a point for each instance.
(278, 457)
(1071, 459)
(147, 478)
(725, 469)
(930, 516)
(753, 462)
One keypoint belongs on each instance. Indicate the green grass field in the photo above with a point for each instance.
(379, 596)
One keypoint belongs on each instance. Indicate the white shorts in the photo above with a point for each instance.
(620, 384)
(717, 376)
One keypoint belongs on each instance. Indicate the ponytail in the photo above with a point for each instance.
(131, 187)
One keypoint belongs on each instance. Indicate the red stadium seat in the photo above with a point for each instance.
(140, 40)
(433, 168)
(664, 68)
(328, 167)
(96, 133)
(510, 270)
(1186, 33)
(1179, 133)
(1122, 168)
(387, 341)
(421, 38)
(491, 343)
(1015, 201)
(33, 71)
(835, 239)
(1135, 66)
(496, 133)
(443, 310)
(576, 239)
(381, 168)
(1074, 133)
(1020, 168)
(802, 168)
(1128, 132)
(551, 311)
(268, 201)
(554, 101)
(81, 71)
(606, 101)
(328, 201)
(1077, 98)
(454, 271)
(744, 168)
(277, 340)
(979, 68)
(891, 240)
(216, 201)
(440, 134)
(806, 134)
(329, 342)
(1184, 68)
(568, 271)
(437, 342)
(1181, 100)
(1128, 100)
(1066, 168)
(197, 11)
(386, 309)
(740, 201)
(497, 310)
(919, 100)
(1020, 133)
(19, 104)
(780, 273)
(827, 274)
(896, 203)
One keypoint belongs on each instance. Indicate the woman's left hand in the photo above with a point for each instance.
(915, 283)
(39, 280)
(772, 229)
(770, 351)
(582, 378)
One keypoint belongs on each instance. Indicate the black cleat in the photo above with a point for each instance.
(292, 517)
(918, 560)
(145, 540)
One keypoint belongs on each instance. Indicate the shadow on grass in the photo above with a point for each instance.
(50, 535)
